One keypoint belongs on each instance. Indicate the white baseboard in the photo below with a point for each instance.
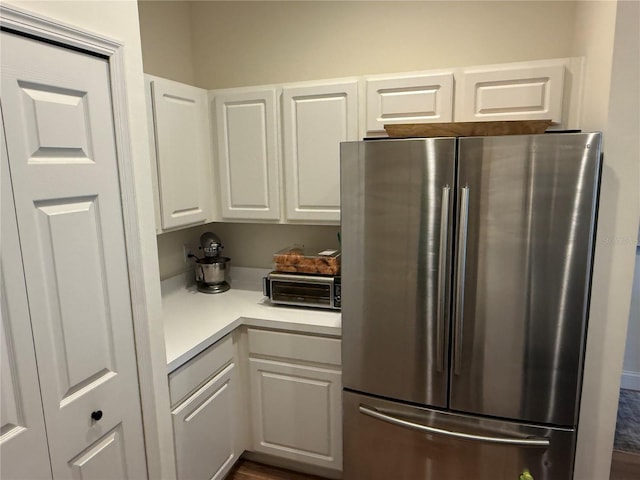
(630, 380)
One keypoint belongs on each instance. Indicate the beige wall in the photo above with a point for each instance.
(119, 20)
(253, 43)
(593, 39)
(165, 30)
(248, 245)
(614, 57)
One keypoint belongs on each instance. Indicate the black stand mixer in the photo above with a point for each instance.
(212, 270)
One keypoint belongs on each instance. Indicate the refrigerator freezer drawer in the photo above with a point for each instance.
(384, 440)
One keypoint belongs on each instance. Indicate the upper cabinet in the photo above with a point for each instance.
(315, 119)
(277, 147)
(513, 91)
(535, 90)
(246, 137)
(180, 125)
(415, 98)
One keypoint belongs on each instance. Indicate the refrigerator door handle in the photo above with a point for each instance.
(460, 272)
(522, 442)
(442, 278)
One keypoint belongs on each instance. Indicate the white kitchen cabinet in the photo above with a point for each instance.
(408, 98)
(315, 119)
(204, 395)
(296, 397)
(246, 132)
(179, 124)
(512, 91)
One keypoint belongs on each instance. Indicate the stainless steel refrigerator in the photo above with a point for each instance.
(466, 267)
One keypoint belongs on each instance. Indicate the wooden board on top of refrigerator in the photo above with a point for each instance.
(467, 129)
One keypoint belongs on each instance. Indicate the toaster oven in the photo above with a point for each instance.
(301, 290)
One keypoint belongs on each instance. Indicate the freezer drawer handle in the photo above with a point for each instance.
(442, 266)
(522, 442)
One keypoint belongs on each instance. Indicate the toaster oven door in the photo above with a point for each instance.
(302, 290)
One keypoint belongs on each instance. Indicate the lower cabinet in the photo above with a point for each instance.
(204, 423)
(271, 392)
(295, 389)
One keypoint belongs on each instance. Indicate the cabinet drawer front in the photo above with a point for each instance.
(295, 346)
(204, 430)
(194, 373)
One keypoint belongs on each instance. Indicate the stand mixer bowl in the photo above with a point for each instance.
(214, 270)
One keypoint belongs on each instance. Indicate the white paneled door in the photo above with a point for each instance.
(63, 165)
(23, 442)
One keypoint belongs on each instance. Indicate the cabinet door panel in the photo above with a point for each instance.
(105, 458)
(182, 153)
(247, 141)
(512, 92)
(296, 412)
(63, 162)
(415, 99)
(315, 120)
(204, 430)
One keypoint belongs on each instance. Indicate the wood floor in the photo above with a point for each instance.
(247, 470)
(625, 466)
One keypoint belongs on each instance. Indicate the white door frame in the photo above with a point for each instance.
(24, 22)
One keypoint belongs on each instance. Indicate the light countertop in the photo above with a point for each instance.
(193, 321)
